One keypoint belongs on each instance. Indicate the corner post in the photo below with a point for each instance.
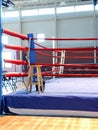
(0, 58)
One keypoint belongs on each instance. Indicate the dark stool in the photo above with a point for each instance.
(40, 86)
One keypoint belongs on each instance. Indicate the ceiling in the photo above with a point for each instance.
(28, 4)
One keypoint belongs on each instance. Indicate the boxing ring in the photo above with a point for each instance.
(73, 91)
(62, 97)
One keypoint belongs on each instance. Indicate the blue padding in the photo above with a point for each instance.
(32, 52)
(51, 102)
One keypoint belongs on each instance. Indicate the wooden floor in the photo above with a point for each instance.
(47, 123)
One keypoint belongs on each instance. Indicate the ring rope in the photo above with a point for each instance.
(81, 52)
(20, 48)
(40, 45)
(50, 49)
(43, 46)
(71, 49)
(47, 54)
(81, 69)
(71, 75)
(18, 62)
(21, 36)
(81, 57)
(68, 65)
(21, 62)
(44, 53)
(24, 37)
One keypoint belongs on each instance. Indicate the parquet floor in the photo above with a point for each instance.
(47, 123)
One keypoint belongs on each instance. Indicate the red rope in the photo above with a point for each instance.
(83, 69)
(71, 39)
(71, 75)
(71, 49)
(83, 52)
(21, 36)
(68, 65)
(43, 47)
(40, 45)
(24, 37)
(16, 74)
(47, 54)
(18, 62)
(49, 49)
(81, 57)
(20, 48)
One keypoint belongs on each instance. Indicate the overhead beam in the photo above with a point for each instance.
(7, 3)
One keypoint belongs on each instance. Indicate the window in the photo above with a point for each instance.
(4, 39)
(65, 9)
(6, 55)
(46, 11)
(84, 8)
(11, 14)
(2, 14)
(40, 37)
(96, 7)
(29, 12)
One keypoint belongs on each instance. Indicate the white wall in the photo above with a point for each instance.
(43, 26)
(77, 27)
